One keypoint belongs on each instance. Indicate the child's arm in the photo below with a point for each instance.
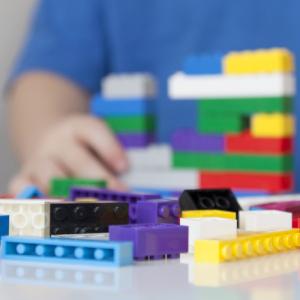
(54, 136)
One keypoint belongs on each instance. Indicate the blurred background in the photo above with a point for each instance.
(14, 21)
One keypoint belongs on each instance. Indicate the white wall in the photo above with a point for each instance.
(14, 18)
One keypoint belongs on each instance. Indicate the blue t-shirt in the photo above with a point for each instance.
(84, 40)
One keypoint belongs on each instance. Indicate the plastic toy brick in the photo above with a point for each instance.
(296, 222)
(164, 193)
(158, 211)
(233, 162)
(265, 220)
(272, 125)
(203, 64)
(246, 143)
(208, 199)
(104, 253)
(74, 218)
(218, 251)
(130, 107)
(208, 213)
(138, 140)
(185, 87)
(131, 124)
(153, 241)
(209, 228)
(259, 61)
(124, 86)
(220, 124)
(4, 226)
(288, 206)
(30, 192)
(271, 182)
(191, 140)
(60, 187)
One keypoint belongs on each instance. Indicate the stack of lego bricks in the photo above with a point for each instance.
(127, 105)
(244, 134)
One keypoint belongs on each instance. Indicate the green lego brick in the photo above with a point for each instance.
(245, 106)
(131, 124)
(60, 187)
(230, 162)
(217, 124)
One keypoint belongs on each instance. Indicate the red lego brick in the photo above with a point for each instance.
(296, 222)
(245, 143)
(240, 180)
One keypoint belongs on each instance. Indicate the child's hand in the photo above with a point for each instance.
(81, 146)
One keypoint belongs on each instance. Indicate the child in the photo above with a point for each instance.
(73, 44)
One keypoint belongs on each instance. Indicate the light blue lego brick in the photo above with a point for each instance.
(30, 192)
(132, 107)
(255, 208)
(4, 226)
(203, 64)
(162, 193)
(68, 251)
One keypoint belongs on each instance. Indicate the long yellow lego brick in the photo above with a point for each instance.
(275, 125)
(208, 213)
(260, 61)
(246, 246)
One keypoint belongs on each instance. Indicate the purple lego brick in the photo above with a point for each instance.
(136, 140)
(110, 195)
(191, 140)
(158, 211)
(153, 241)
(289, 206)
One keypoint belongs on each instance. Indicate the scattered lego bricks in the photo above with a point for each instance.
(30, 192)
(153, 241)
(208, 213)
(101, 253)
(60, 187)
(4, 226)
(247, 246)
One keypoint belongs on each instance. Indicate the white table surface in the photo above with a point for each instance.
(267, 278)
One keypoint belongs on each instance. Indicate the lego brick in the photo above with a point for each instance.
(203, 64)
(101, 253)
(208, 199)
(162, 179)
(271, 182)
(260, 221)
(259, 61)
(60, 187)
(233, 162)
(220, 124)
(272, 125)
(208, 213)
(131, 124)
(191, 140)
(30, 192)
(182, 86)
(153, 241)
(296, 222)
(157, 211)
(244, 106)
(137, 140)
(100, 107)
(164, 193)
(74, 218)
(124, 86)
(209, 228)
(156, 157)
(246, 143)
(4, 226)
(252, 245)
(288, 206)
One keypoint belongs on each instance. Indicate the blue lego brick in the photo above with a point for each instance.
(68, 251)
(162, 193)
(30, 192)
(132, 107)
(203, 64)
(4, 226)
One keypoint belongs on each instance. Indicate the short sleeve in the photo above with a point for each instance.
(66, 38)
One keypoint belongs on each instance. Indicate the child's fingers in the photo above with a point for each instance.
(19, 182)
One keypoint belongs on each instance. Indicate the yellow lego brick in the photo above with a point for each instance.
(272, 125)
(217, 251)
(208, 213)
(86, 200)
(259, 61)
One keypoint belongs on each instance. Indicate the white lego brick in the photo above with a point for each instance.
(163, 179)
(155, 157)
(265, 220)
(209, 228)
(186, 87)
(129, 86)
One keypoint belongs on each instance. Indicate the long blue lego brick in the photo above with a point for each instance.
(4, 226)
(68, 251)
(30, 192)
(132, 107)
